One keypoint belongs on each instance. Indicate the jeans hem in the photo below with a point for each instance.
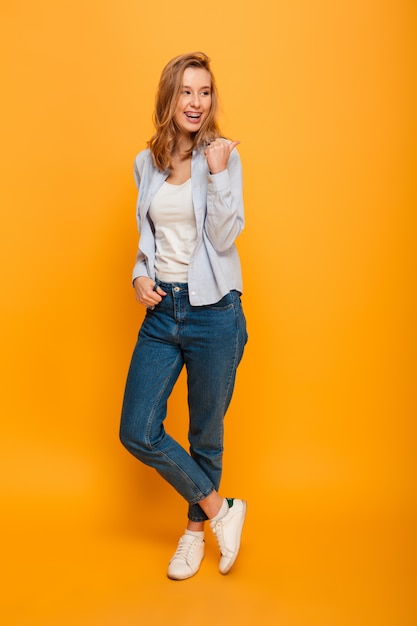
(202, 497)
(200, 518)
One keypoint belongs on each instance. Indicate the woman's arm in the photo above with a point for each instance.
(225, 217)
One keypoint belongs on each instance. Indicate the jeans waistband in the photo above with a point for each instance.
(177, 287)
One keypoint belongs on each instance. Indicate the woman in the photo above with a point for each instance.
(187, 275)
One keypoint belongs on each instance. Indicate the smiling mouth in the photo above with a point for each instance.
(192, 116)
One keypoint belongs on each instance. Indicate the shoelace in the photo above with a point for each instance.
(217, 533)
(184, 550)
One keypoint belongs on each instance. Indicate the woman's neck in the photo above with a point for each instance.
(180, 169)
(183, 146)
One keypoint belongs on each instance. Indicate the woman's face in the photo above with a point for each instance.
(194, 101)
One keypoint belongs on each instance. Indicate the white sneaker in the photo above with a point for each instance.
(228, 531)
(187, 558)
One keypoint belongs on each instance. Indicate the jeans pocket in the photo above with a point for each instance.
(224, 303)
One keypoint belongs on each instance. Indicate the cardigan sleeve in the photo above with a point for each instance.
(225, 215)
(139, 268)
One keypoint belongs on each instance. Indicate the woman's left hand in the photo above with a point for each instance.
(217, 154)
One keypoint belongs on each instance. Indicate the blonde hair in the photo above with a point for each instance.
(163, 142)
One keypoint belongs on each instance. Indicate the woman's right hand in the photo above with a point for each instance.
(145, 293)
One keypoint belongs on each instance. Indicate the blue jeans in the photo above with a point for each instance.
(209, 341)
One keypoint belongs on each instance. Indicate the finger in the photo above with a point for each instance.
(233, 145)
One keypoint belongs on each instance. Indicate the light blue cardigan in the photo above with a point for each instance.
(214, 267)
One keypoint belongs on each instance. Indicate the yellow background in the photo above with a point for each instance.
(320, 437)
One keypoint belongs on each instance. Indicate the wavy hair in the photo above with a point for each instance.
(163, 142)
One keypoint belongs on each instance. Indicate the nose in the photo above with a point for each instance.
(195, 100)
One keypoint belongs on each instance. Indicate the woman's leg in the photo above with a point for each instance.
(213, 342)
(156, 363)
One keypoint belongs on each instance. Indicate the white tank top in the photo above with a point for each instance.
(172, 214)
